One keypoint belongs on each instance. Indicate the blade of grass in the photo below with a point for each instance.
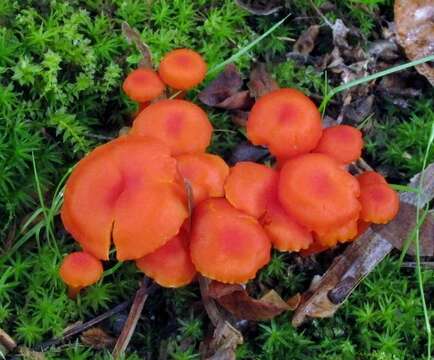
(246, 48)
(403, 188)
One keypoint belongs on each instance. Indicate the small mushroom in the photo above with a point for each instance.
(182, 69)
(250, 186)
(206, 173)
(79, 270)
(143, 85)
(286, 121)
(170, 265)
(180, 124)
(227, 245)
(342, 142)
(370, 177)
(318, 193)
(380, 203)
(340, 234)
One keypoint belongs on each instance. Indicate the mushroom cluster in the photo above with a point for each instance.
(163, 202)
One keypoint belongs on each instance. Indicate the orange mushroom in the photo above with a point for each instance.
(180, 124)
(318, 193)
(226, 244)
(79, 270)
(206, 173)
(370, 177)
(286, 121)
(343, 233)
(285, 233)
(143, 85)
(128, 189)
(342, 142)
(250, 186)
(182, 69)
(380, 203)
(170, 265)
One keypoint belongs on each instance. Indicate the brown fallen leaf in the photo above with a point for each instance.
(28, 354)
(361, 257)
(306, 42)
(225, 91)
(223, 343)
(414, 22)
(97, 338)
(6, 342)
(261, 82)
(239, 117)
(260, 7)
(247, 152)
(133, 36)
(236, 300)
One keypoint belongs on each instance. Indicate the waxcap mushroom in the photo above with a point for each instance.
(143, 85)
(79, 270)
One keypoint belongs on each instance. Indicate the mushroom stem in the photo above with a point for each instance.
(73, 291)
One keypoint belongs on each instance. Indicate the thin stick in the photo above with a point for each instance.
(7, 341)
(133, 317)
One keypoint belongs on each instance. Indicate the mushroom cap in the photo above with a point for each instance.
(370, 177)
(128, 189)
(206, 173)
(342, 142)
(285, 233)
(182, 69)
(286, 121)
(250, 187)
(314, 248)
(80, 269)
(318, 193)
(380, 203)
(226, 244)
(341, 234)
(180, 124)
(143, 85)
(170, 265)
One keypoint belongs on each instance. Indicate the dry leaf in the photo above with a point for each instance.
(414, 21)
(261, 82)
(97, 338)
(6, 341)
(260, 7)
(247, 152)
(28, 354)
(306, 42)
(294, 301)
(223, 344)
(361, 256)
(240, 117)
(236, 300)
(225, 91)
(133, 36)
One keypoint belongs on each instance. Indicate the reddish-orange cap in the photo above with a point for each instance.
(318, 193)
(180, 124)
(250, 186)
(342, 142)
(226, 244)
(80, 269)
(170, 265)
(286, 121)
(182, 69)
(143, 85)
(314, 248)
(370, 177)
(130, 189)
(341, 234)
(362, 226)
(206, 173)
(285, 233)
(380, 203)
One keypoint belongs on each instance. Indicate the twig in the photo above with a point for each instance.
(7, 341)
(75, 330)
(209, 303)
(413, 264)
(133, 317)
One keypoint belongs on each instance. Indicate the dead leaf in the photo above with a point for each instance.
(306, 42)
(361, 257)
(239, 117)
(225, 91)
(236, 300)
(223, 343)
(247, 152)
(294, 301)
(260, 7)
(261, 82)
(133, 36)
(97, 338)
(28, 354)
(358, 110)
(414, 21)
(6, 342)
(386, 50)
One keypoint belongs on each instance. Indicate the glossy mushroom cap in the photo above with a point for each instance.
(285, 233)
(343, 233)
(206, 173)
(180, 124)
(286, 121)
(128, 189)
(342, 142)
(143, 85)
(370, 177)
(380, 203)
(226, 244)
(250, 186)
(182, 69)
(79, 270)
(170, 265)
(318, 193)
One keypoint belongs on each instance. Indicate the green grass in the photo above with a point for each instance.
(61, 66)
